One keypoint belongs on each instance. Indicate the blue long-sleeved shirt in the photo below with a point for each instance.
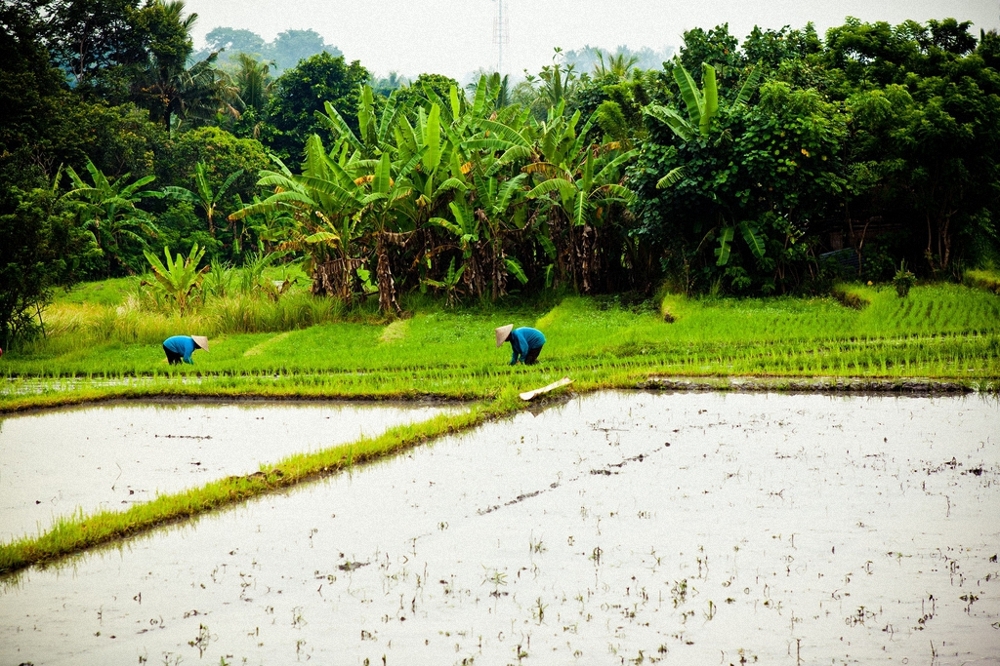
(524, 339)
(183, 345)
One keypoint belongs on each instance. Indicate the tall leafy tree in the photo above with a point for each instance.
(926, 139)
(234, 41)
(94, 40)
(291, 47)
(173, 91)
(41, 247)
(301, 92)
(739, 187)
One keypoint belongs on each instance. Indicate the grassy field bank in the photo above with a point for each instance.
(942, 332)
(100, 345)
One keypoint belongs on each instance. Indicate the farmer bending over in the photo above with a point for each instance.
(180, 347)
(526, 342)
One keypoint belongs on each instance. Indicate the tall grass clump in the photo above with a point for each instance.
(254, 314)
(983, 279)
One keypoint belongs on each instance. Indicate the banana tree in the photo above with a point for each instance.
(503, 215)
(388, 207)
(376, 130)
(179, 277)
(325, 203)
(702, 109)
(578, 184)
(409, 172)
(108, 209)
(702, 105)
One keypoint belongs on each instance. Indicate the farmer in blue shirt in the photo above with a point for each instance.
(180, 347)
(526, 342)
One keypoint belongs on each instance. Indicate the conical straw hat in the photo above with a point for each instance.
(201, 341)
(502, 334)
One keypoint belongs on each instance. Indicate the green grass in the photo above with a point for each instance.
(942, 331)
(110, 349)
(988, 279)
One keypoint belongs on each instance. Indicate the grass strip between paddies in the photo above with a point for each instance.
(77, 533)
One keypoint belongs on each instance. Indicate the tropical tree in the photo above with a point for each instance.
(41, 248)
(923, 145)
(233, 42)
(301, 92)
(482, 232)
(578, 191)
(193, 95)
(253, 82)
(702, 106)
(386, 84)
(425, 169)
(616, 66)
(555, 83)
(386, 204)
(93, 42)
(291, 47)
(108, 209)
(767, 175)
(323, 205)
(204, 196)
(164, 84)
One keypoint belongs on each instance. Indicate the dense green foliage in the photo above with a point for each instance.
(773, 166)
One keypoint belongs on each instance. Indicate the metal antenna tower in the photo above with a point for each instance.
(501, 32)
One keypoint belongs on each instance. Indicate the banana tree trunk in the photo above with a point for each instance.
(386, 286)
(334, 278)
(587, 260)
(499, 274)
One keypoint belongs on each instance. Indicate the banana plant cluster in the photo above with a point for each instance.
(458, 195)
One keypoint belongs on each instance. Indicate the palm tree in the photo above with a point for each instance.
(618, 66)
(253, 82)
(167, 87)
(204, 197)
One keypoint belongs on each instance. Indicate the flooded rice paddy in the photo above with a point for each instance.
(614, 528)
(56, 463)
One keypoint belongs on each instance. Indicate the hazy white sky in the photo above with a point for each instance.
(455, 37)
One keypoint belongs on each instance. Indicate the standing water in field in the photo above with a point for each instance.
(614, 528)
(55, 463)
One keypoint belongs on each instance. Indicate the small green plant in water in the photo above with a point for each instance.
(904, 280)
